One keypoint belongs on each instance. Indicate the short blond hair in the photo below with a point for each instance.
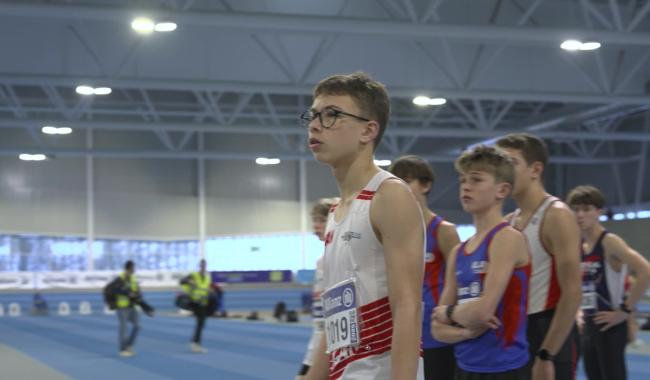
(488, 159)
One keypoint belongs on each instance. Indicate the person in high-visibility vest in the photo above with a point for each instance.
(127, 293)
(198, 286)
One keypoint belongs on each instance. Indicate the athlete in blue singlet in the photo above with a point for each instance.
(484, 303)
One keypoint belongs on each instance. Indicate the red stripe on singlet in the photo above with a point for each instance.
(376, 324)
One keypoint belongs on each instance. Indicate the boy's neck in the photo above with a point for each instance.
(592, 234)
(485, 221)
(531, 198)
(352, 176)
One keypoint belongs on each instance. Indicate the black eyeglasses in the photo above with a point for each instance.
(327, 117)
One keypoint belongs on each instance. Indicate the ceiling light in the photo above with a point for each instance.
(267, 161)
(165, 26)
(52, 130)
(88, 90)
(571, 45)
(590, 46)
(32, 157)
(102, 91)
(423, 101)
(85, 90)
(574, 45)
(143, 25)
(382, 162)
(437, 101)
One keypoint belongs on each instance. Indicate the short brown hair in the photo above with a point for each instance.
(489, 159)
(532, 148)
(586, 195)
(413, 167)
(322, 206)
(370, 96)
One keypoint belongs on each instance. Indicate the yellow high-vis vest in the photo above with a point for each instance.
(201, 290)
(122, 300)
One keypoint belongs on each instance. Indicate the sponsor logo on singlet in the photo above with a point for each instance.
(350, 235)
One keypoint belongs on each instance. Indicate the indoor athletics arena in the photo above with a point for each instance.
(166, 171)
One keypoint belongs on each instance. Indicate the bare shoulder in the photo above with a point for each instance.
(510, 236)
(511, 241)
(394, 203)
(445, 225)
(613, 242)
(447, 228)
(559, 212)
(393, 188)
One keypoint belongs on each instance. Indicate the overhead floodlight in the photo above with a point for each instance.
(143, 25)
(52, 130)
(571, 45)
(574, 45)
(88, 90)
(32, 157)
(437, 101)
(267, 161)
(424, 101)
(102, 91)
(85, 90)
(421, 100)
(165, 26)
(590, 46)
(382, 162)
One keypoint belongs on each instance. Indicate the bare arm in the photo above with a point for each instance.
(396, 218)
(507, 251)
(319, 369)
(447, 239)
(444, 332)
(561, 235)
(618, 249)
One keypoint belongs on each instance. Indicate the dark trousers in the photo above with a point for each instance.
(200, 312)
(439, 363)
(516, 374)
(604, 351)
(566, 359)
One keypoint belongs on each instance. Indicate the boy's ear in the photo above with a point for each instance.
(537, 169)
(370, 132)
(503, 190)
(426, 186)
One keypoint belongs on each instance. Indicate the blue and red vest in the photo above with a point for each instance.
(434, 277)
(505, 348)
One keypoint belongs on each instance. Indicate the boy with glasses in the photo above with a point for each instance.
(374, 241)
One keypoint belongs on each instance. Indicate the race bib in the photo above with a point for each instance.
(589, 301)
(589, 296)
(341, 318)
